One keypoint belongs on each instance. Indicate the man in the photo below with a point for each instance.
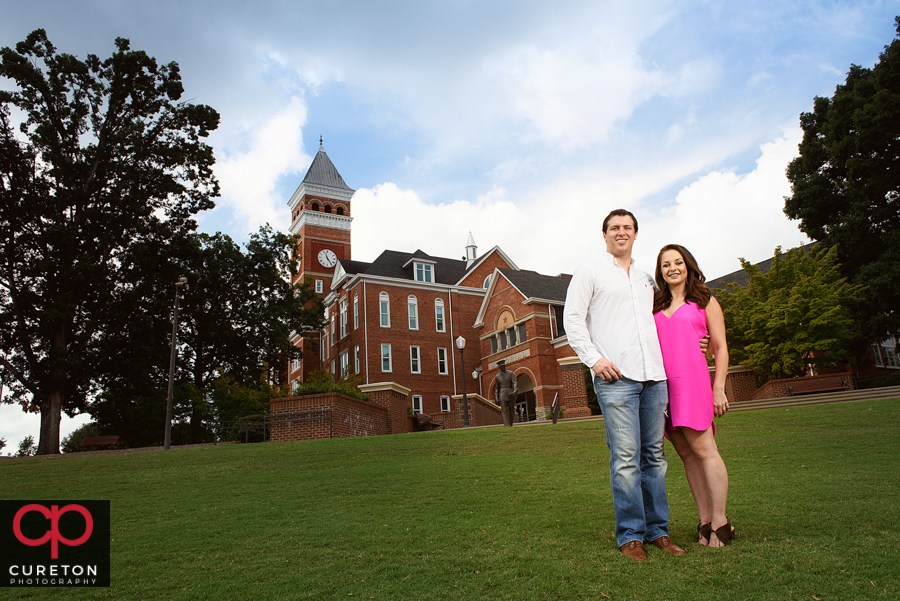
(609, 323)
(505, 390)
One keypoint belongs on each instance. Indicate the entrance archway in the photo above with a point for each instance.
(526, 401)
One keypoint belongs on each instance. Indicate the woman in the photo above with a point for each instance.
(684, 310)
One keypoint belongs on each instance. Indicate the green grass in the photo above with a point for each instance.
(522, 513)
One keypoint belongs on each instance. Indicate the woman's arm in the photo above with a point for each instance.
(715, 323)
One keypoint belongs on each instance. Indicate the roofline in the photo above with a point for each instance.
(389, 281)
(481, 260)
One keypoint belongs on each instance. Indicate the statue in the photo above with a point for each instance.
(505, 391)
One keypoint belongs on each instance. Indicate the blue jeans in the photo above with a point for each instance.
(635, 420)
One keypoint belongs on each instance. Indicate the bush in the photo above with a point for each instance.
(320, 382)
(70, 443)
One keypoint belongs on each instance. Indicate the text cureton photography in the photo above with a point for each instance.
(54, 543)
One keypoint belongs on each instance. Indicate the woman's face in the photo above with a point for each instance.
(672, 267)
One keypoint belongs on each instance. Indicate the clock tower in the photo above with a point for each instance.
(320, 215)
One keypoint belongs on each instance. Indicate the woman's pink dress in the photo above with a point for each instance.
(687, 374)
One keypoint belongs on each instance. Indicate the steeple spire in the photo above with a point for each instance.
(471, 251)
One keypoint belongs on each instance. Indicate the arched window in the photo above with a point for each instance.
(487, 282)
(384, 306)
(413, 305)
(439, 315)
(315, 206)
(327, 208)
(340, 210)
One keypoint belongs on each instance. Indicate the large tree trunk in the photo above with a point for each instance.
(51, 406)
(51, 411)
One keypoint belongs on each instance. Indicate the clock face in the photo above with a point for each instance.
(327, 258)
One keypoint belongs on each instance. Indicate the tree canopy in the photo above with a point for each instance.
(108, 165)
(846, 186)
(234, 336)
(791, 316)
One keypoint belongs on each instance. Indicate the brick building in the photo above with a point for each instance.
(398, 319)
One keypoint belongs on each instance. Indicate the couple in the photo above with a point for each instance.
(612, 316)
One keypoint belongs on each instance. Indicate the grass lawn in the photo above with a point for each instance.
(522, 513)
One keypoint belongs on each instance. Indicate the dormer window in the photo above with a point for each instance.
(424, 272)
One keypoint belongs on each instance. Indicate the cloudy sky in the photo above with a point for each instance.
(523, 122)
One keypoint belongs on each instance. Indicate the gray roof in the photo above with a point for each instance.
(323, 172)
(535, 285)
(741, 278)
(354, 267)
(390, 264)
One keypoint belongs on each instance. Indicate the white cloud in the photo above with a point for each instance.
(722, 215)
(249, 176)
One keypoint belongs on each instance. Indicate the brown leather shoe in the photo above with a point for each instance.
(665, 543)
(635, 550)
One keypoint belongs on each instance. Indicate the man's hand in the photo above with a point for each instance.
(607, 371)
(704, 345)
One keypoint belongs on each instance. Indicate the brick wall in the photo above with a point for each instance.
(349, 417)
(774, 389)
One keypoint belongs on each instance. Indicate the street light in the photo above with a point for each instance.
(181, 283)
(461, 345)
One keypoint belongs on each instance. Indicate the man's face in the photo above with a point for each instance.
(619, 235)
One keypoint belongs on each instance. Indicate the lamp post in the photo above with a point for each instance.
(461, 345)
(179, 285)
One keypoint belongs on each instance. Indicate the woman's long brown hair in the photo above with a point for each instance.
(695, 289)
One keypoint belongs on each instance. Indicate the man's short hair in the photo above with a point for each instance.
(619, 213)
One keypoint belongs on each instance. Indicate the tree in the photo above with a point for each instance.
(234, 335)
(110, 162)
(846, 187)
(791, 316)
(26, 447)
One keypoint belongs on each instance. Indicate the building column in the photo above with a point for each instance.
(395, 399)
(573, 397)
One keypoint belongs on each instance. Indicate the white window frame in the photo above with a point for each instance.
(417, 403)
(319, 287)
(355, 311)
(356, 358)
(876, 352)
(442, 361)
(343, 317)
(439, 323)
(415, 359)
(345, 364)
(412, 305)
(424, 272)
(384, 309)
(890, 355)
(445, 403)
(386, 356)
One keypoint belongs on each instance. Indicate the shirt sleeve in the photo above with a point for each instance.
(578, 302)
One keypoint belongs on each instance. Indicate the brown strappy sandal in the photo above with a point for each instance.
(704, 531)
(725, 533)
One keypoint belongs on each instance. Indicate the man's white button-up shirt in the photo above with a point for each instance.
(609, 314)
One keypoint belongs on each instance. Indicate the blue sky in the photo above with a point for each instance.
(524, 122)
